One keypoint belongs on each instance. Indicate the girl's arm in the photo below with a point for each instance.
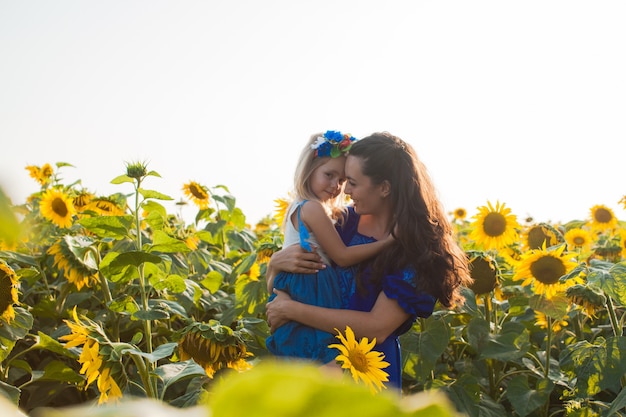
(292, 259)
(379, 323)
(315, 218)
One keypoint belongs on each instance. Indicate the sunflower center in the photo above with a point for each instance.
(197, 192)
(603, 215)
(494, 224)
(6, 298)
(579, 241)
(547, 270)
(59, 207)
(359, 361)
(484, 276)
(536, 238)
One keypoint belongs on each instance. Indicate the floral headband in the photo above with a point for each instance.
(332, 144)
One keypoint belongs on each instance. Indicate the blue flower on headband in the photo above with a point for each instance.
(332, 144)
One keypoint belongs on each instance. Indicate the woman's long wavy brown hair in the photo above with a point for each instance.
(424, 236)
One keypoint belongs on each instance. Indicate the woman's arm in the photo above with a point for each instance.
(292, 259)
(385, 317)
(316, 219)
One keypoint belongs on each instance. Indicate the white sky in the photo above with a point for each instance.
(518, 101)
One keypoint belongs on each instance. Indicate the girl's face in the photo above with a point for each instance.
(327, 180)
(367, 197)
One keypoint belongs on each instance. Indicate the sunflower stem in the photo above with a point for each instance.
(613, 318)
(142, 369)
(142, 280)
(548, 346)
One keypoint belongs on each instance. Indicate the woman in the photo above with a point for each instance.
(391, 191)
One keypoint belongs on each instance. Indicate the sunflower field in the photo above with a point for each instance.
(111, 305)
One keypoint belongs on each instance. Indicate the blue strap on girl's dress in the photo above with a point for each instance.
(304, 233)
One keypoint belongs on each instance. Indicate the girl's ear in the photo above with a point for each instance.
(385, 188)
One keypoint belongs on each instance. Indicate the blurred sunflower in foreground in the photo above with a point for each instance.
(364, 363)
(541, 270)
(8, 292)
(494, 227)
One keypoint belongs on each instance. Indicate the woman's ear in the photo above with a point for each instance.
(385, 188)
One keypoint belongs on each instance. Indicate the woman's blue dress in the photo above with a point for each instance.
(398, 285)
(331, 288)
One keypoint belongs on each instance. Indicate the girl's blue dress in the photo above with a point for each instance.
(324, 289)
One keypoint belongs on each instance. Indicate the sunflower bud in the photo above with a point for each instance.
(136, 170)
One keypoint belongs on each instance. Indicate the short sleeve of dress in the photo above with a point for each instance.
(402, 287)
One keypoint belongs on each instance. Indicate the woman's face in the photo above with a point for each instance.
(367, 197)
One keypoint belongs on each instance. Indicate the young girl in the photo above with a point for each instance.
(318, 203)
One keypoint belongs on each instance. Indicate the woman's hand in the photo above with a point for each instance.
(296, 260)
(277, 310)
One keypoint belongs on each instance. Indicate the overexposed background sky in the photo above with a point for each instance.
(518, 101)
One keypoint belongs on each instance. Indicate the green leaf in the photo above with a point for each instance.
(152, 314)
(13, 394)
(58, 371)
(172, 283)
(154, 194)
(597, 366)
(524, 399)
(212, 281)
(48, 343)
(173, 372)
(510, 344)
(615, 286)
(122, 179)
(115, 227)
(618, 403)
(163, 243)
(422, 349)
(126, 305)
(162, 351)
(132, 258)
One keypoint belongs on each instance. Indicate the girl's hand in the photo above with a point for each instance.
(296, 260)
(277, 310)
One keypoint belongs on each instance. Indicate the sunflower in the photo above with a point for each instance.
(542, 321)
(484, 272)
(79, 332)
(602, 218)
(41, 174)
(622, 201)
(541, 233)
(459, 214)
(282, 204)
(586, 298)
(364, 363)
(197, 193)
(86, 335)
(105, 207)
(494, 228)
(579, 239)
(542, 269)
(57, 207)
(109, 390)
(8, 291)
(81, 271)
(213, 346)
(82, 200)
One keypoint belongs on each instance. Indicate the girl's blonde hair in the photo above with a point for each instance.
(307, 163)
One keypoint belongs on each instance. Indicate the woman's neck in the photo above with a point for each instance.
(376, 226)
